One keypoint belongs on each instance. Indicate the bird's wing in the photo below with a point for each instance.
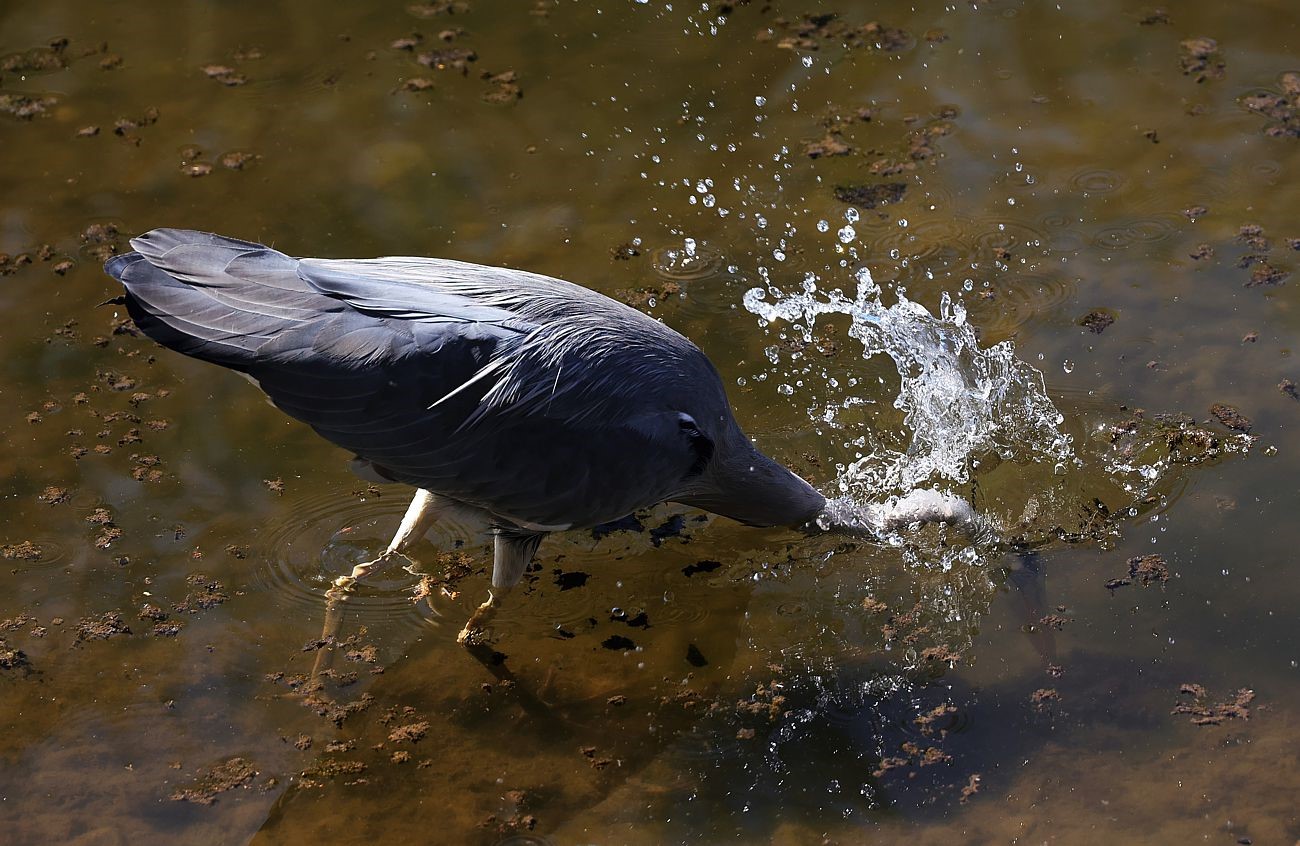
(373, 367)
(588, 356)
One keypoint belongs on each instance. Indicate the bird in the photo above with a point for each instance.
(534, 403)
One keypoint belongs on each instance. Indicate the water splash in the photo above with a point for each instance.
(959, 401)
(980, 418)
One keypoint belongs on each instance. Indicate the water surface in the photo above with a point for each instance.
(1086, 182)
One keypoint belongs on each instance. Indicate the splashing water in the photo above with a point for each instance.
(959, 401)
(963, 404)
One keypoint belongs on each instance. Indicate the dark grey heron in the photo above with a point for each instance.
(528, 400)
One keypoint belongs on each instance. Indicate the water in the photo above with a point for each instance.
(958, 401)
(1075, 251)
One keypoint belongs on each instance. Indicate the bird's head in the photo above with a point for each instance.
(744, 484)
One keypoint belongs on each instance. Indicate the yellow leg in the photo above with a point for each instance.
(424, 509)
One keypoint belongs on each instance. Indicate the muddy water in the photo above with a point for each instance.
(1088, 181)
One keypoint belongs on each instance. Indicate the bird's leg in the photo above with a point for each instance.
(512, 550)
(424, 509)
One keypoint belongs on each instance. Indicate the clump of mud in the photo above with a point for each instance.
(223, 777)
(1148, 569)
(1281, 106)
(1200, 58)
(827, 29)
(12, 658)
(107, 625)
(1205, 714)
(1097, 321)
(871, 196)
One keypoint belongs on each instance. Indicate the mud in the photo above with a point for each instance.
(107, 625)
(1097, 321)
(1280, 106)
(871, 196)
(828, 29)
(1148, 569)
(1201, 60)
(1232, 418)
(221, 778)
(1201, 713)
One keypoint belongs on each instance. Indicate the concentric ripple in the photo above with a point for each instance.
(1017, 298)
(323, 536)
(1007, 234)
(54, 552)
(687, 262)
(1142, 230)
(941, 241)
(1096, 180)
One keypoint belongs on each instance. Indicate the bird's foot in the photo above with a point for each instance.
(368, 568)
(472, 636)
(475, 631)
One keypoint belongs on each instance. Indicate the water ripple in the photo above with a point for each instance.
(1018, 298)
(1096, 180)
(1007, 233)
(321, 537)
(688, 262)
(1143, 230)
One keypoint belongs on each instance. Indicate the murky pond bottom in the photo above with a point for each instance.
(1103, 190)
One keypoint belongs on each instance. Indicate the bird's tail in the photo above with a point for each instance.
(214, 298)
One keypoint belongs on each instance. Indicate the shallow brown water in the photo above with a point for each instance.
(1051, 156)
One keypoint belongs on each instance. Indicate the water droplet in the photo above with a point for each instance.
(823, 226)
(1068, 366)
(760, 101)
(785, 390)
(851, 215)
(847, 234)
